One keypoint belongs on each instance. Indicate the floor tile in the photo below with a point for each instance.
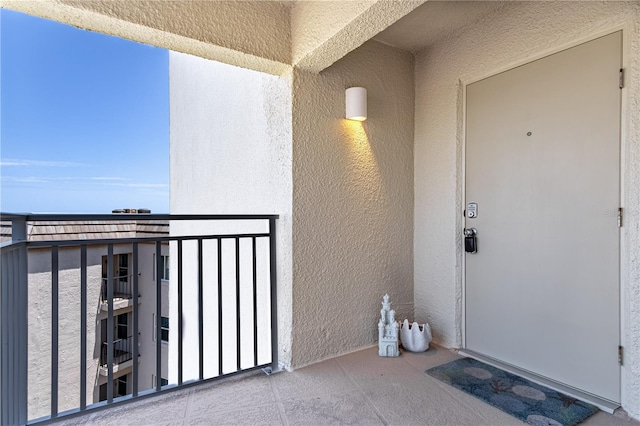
(358, 388)
(435, 355)
(258, 415)
(236, 394)
(416, 402)
(604, 419)
(319, 379)
(342, 409)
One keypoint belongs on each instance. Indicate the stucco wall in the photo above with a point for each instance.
(521, 31)
(257, 28)
(314, 22)
(266, 36)
(322, 32)
(245, 33)
(231, 154)
(352, 202)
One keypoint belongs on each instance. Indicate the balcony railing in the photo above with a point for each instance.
(122, 288)
(122, 351)
(222, 287)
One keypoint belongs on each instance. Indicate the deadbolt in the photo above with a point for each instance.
(472, 210)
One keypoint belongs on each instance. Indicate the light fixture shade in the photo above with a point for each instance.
(356, 100)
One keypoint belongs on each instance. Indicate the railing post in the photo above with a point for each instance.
(13, 304)
(136, 324)
(55, 340)
(274, 294)
(159, 316)
(110, 327)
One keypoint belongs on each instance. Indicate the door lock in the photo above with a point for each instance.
(472, 210)
(470, 240)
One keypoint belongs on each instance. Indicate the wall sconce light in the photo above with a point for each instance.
(356, 100)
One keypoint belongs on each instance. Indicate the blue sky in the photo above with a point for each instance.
(84, 120)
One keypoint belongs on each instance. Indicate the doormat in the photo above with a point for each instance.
(523, 399)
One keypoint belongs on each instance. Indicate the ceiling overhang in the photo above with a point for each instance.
(266, 36)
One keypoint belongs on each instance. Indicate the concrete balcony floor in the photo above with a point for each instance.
(359, 388)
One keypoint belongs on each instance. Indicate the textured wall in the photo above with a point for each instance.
(352, 202)
(324, 31)
(260, 35)
(266, 36)
(314, 22)
(251, 34)
(231, 154)
(521, 31)
(256, 28)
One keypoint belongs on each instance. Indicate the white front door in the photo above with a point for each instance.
(542, 163)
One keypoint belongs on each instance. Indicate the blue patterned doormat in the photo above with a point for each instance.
(523, 399)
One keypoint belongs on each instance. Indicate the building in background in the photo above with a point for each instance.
(69, 300)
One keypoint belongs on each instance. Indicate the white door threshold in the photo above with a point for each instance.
(603, 404)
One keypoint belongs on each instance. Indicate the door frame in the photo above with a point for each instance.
(461, 187)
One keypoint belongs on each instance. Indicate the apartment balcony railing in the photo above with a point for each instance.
(122, 293)
(216, 272)
(122, 288)
(122, 351)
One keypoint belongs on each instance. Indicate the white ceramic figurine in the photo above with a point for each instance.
(388, 329)
(415, 338)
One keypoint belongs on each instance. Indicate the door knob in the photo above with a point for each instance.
(470, 240)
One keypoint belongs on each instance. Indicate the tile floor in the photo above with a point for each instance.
(360, 388)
